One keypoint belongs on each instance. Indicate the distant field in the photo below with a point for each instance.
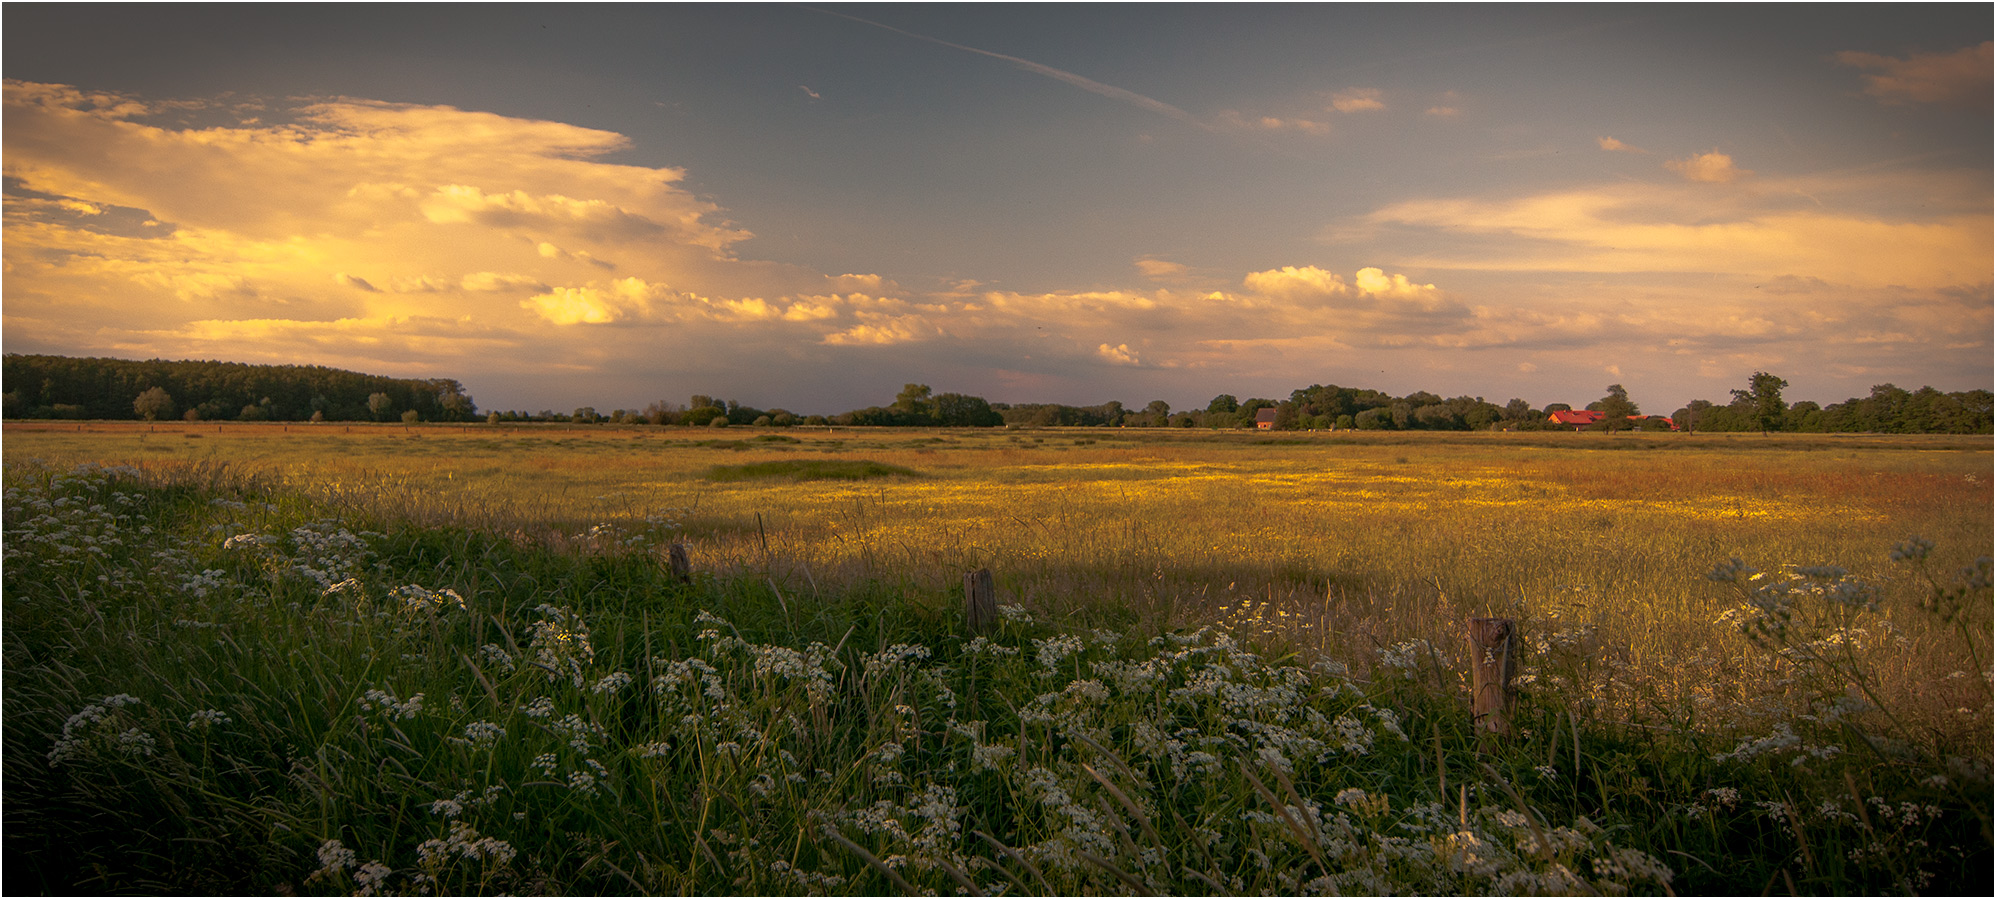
(263, 655)
(1352, 536)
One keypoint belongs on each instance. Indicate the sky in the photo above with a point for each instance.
(807, 207)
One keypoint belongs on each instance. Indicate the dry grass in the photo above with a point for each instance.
(1341, 545)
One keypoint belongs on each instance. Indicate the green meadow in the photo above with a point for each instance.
(453, 659)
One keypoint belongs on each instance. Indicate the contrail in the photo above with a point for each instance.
(1092, 86)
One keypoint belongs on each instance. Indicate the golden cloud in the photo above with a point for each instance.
(1770, 230)
(1712, 168)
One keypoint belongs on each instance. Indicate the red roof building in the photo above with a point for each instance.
(1576, 419)
(1580, 419)
(1265, 418)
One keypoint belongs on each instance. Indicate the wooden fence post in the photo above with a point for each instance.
(980, 601)
(681, 566)
(1491, 669)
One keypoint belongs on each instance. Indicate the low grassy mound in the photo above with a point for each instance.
(810, 470)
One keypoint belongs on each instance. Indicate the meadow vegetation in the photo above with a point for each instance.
(452, 660)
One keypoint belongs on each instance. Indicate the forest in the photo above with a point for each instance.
(57, 387)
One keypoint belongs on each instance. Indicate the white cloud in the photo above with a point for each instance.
(1609, 143)
(1120, 354)
(1711, 168)
(1378, 283)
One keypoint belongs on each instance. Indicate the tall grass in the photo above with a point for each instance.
(224, 680)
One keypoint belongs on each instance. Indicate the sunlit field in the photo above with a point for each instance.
(1748, 662)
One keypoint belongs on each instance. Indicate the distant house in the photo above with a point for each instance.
(1580, 419)
(1265, 418)
(1576, 419)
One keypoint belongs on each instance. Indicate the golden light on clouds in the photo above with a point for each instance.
(1712, 168)
(430, 240)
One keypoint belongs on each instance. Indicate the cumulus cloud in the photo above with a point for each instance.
(1378, 283)
(1353, 100)
(1961, 78)
(1712, 168)
(429, 240)
(1120, 354)
(1609, 143)
(1160, 269)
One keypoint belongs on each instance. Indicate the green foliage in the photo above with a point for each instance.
(104, 389)
(153, 403)
(239, 692)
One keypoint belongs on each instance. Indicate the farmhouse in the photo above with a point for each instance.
(1265, 418)
(1580, 419)
(1575, 418)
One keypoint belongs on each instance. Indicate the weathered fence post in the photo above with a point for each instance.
(677, 561)
(1491, 670)
(980, 601)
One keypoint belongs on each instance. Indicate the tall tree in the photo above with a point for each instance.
(1616, 408)
(1763, 399)
(914, 400)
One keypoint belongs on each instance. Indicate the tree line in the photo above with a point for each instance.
(93, 388)
(61, 387)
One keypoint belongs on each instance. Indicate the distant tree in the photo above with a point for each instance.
(1552, 408)
(584, 415)
(492, 418)
(705, 414)
(153, 403)
(761, 422)
(379, 404)
(1763, 400)
(411, 417)
(914, 401)
(1615, 408)
(317, 417)
(453, 403)
(1692, 415)
(718, 422)
(193, 414)
(961, 411)
(659, 412)
(253, 413)
(1805, 416)
(1224, 403)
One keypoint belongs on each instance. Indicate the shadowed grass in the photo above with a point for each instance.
(810, 470)
(221, 697)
